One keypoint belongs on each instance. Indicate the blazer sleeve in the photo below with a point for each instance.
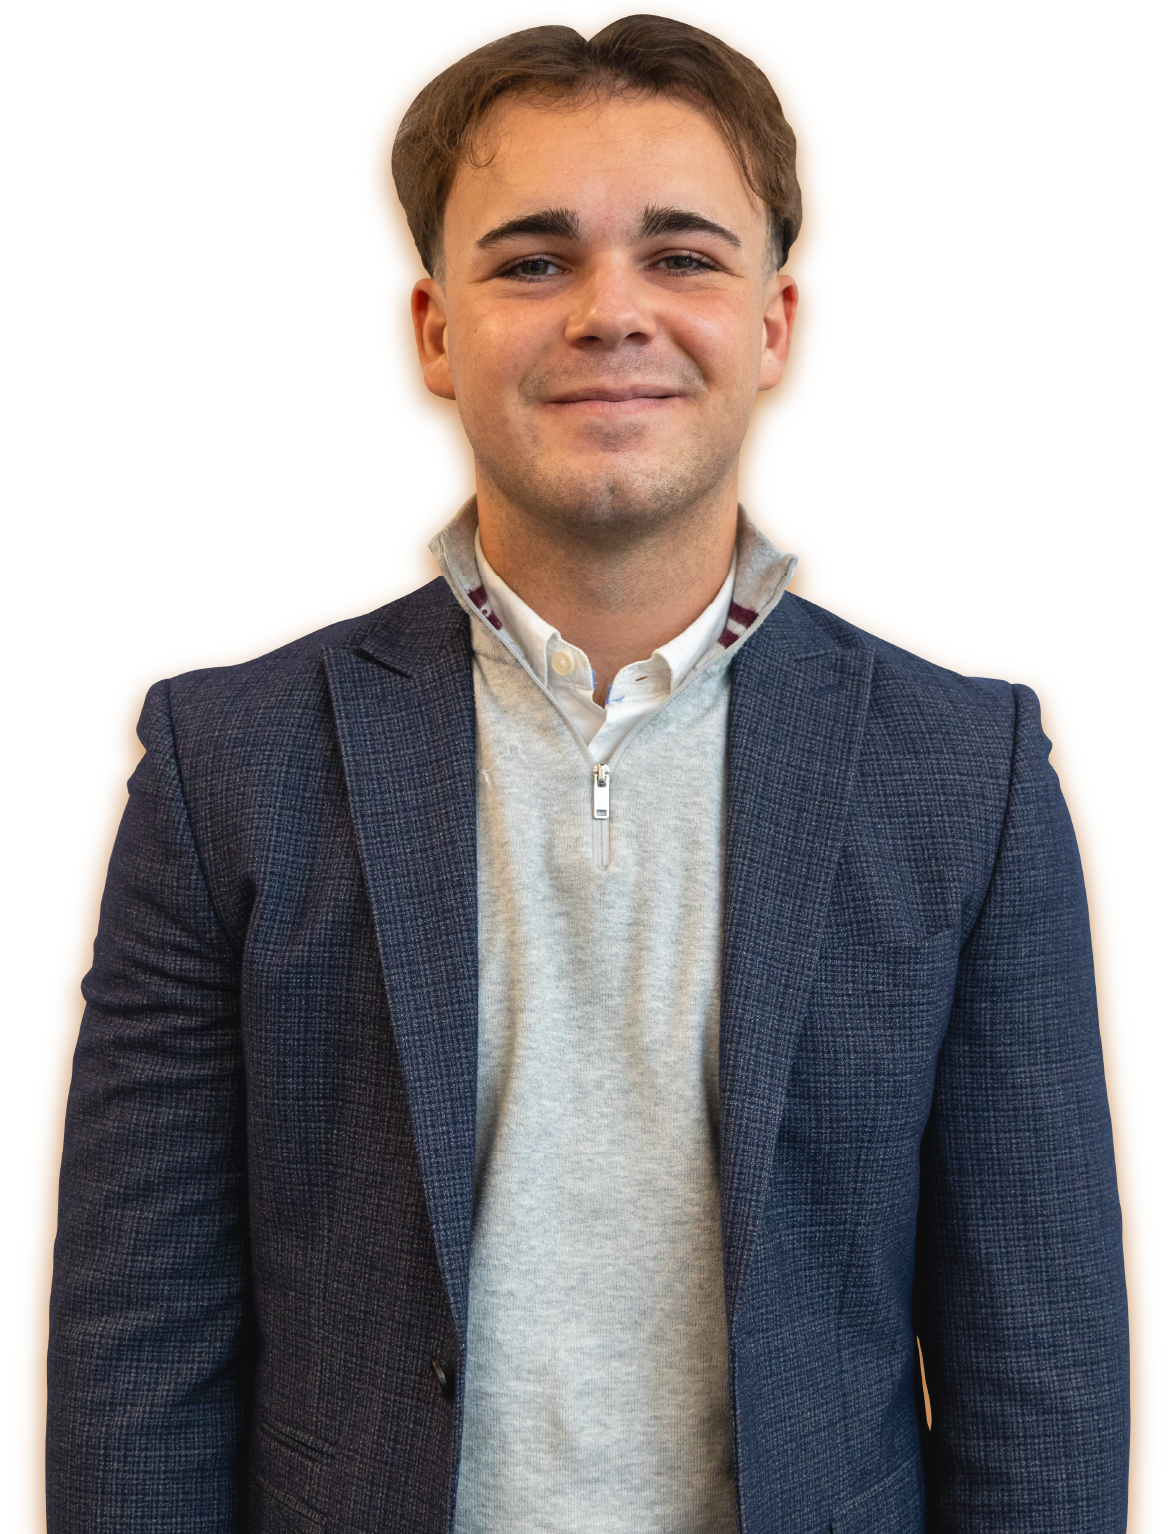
(1020, 1293)
(150, 1340)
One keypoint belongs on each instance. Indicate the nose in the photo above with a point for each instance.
(610, 306)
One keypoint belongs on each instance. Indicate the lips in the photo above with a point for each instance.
(613, 394)
(611, 402)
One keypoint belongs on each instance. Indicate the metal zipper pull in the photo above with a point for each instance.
(601, 772)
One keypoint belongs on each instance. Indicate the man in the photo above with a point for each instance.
(556, 1044)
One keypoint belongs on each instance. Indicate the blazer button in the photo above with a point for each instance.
(444, 1378)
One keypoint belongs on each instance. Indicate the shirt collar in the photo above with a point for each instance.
(528, 631)
(538, 640)
(762, 575)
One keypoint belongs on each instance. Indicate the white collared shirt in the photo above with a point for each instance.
(565, 671)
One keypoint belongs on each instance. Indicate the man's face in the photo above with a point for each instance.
(606, 313)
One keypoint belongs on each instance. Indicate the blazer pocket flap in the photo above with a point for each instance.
(273, 1511)
(896, 1505)
(294, 1476)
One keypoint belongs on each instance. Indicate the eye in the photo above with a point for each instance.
(684, 261)
(532, 269)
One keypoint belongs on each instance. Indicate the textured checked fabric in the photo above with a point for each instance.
(266, 1189)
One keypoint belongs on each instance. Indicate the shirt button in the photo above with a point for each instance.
(562, 663)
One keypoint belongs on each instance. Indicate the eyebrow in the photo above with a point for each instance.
(563, 224)
(682, 221)
(554, 223)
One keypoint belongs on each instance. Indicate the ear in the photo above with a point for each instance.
(779, 316)
(428, 320)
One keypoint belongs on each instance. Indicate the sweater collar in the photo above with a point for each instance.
(547, 652)
(761, 576)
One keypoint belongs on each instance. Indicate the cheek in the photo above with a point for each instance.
(490, 352)
(724, 338)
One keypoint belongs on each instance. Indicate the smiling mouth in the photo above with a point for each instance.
(604, 397)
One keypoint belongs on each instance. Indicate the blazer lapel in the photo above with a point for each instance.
(403, 704)
(797, 714)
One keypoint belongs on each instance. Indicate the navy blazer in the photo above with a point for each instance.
(260, 1285)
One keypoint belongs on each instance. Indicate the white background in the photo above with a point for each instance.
(215, 440)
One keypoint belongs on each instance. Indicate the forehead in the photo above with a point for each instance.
(607, 158)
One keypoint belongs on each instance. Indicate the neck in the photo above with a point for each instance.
(614, 594)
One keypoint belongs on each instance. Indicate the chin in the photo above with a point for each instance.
(613, 501)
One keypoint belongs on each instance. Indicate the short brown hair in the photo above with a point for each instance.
(639, 53)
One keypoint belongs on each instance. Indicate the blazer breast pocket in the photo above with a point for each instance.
(896, 1505)
(866, 1053)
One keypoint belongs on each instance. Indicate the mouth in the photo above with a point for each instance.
(616, 399)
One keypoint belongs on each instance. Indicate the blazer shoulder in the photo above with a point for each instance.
(410, 622)
(897, 673)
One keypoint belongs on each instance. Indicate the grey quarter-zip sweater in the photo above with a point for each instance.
(596, 1393)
